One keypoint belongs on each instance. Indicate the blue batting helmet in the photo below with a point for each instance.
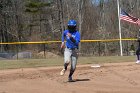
(72, 23)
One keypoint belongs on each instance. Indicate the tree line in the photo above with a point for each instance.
(43, 20)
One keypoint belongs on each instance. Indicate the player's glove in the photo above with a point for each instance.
(62, 48)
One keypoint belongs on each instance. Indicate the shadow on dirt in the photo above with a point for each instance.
(79, 80)
(82, 79)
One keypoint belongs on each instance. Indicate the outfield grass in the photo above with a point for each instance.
(29, 63)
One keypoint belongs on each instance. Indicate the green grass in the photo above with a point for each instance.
(106, 59)
(29, 63)
(32, 63)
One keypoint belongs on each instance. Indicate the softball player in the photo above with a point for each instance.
(72, 37)
(138, 50)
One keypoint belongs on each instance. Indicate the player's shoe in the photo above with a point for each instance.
(62, 72)
(70, 79)
(138, 61)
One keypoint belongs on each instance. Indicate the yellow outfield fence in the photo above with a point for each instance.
(15, 51)
(47, 42)
(109, 40)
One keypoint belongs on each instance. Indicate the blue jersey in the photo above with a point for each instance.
(69, 42)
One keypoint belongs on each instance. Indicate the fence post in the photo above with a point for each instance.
(17, 51)
(127, 48)
(99, 51)
(44, 51)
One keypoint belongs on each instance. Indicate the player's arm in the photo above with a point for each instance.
(75, 40)
(62, 39)
(72, 39)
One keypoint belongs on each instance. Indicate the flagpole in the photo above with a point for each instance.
(120, 35)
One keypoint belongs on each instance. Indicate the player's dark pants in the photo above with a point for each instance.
(138, 53)
(70, 55)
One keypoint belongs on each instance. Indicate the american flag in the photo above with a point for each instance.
(126, 17)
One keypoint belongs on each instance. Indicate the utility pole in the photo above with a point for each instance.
(120, 34)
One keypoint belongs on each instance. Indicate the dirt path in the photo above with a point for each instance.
(109, 78)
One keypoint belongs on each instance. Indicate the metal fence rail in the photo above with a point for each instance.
(95, 47)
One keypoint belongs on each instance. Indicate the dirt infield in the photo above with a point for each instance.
(109, 78)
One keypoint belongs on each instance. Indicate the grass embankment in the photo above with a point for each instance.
(31, 63)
